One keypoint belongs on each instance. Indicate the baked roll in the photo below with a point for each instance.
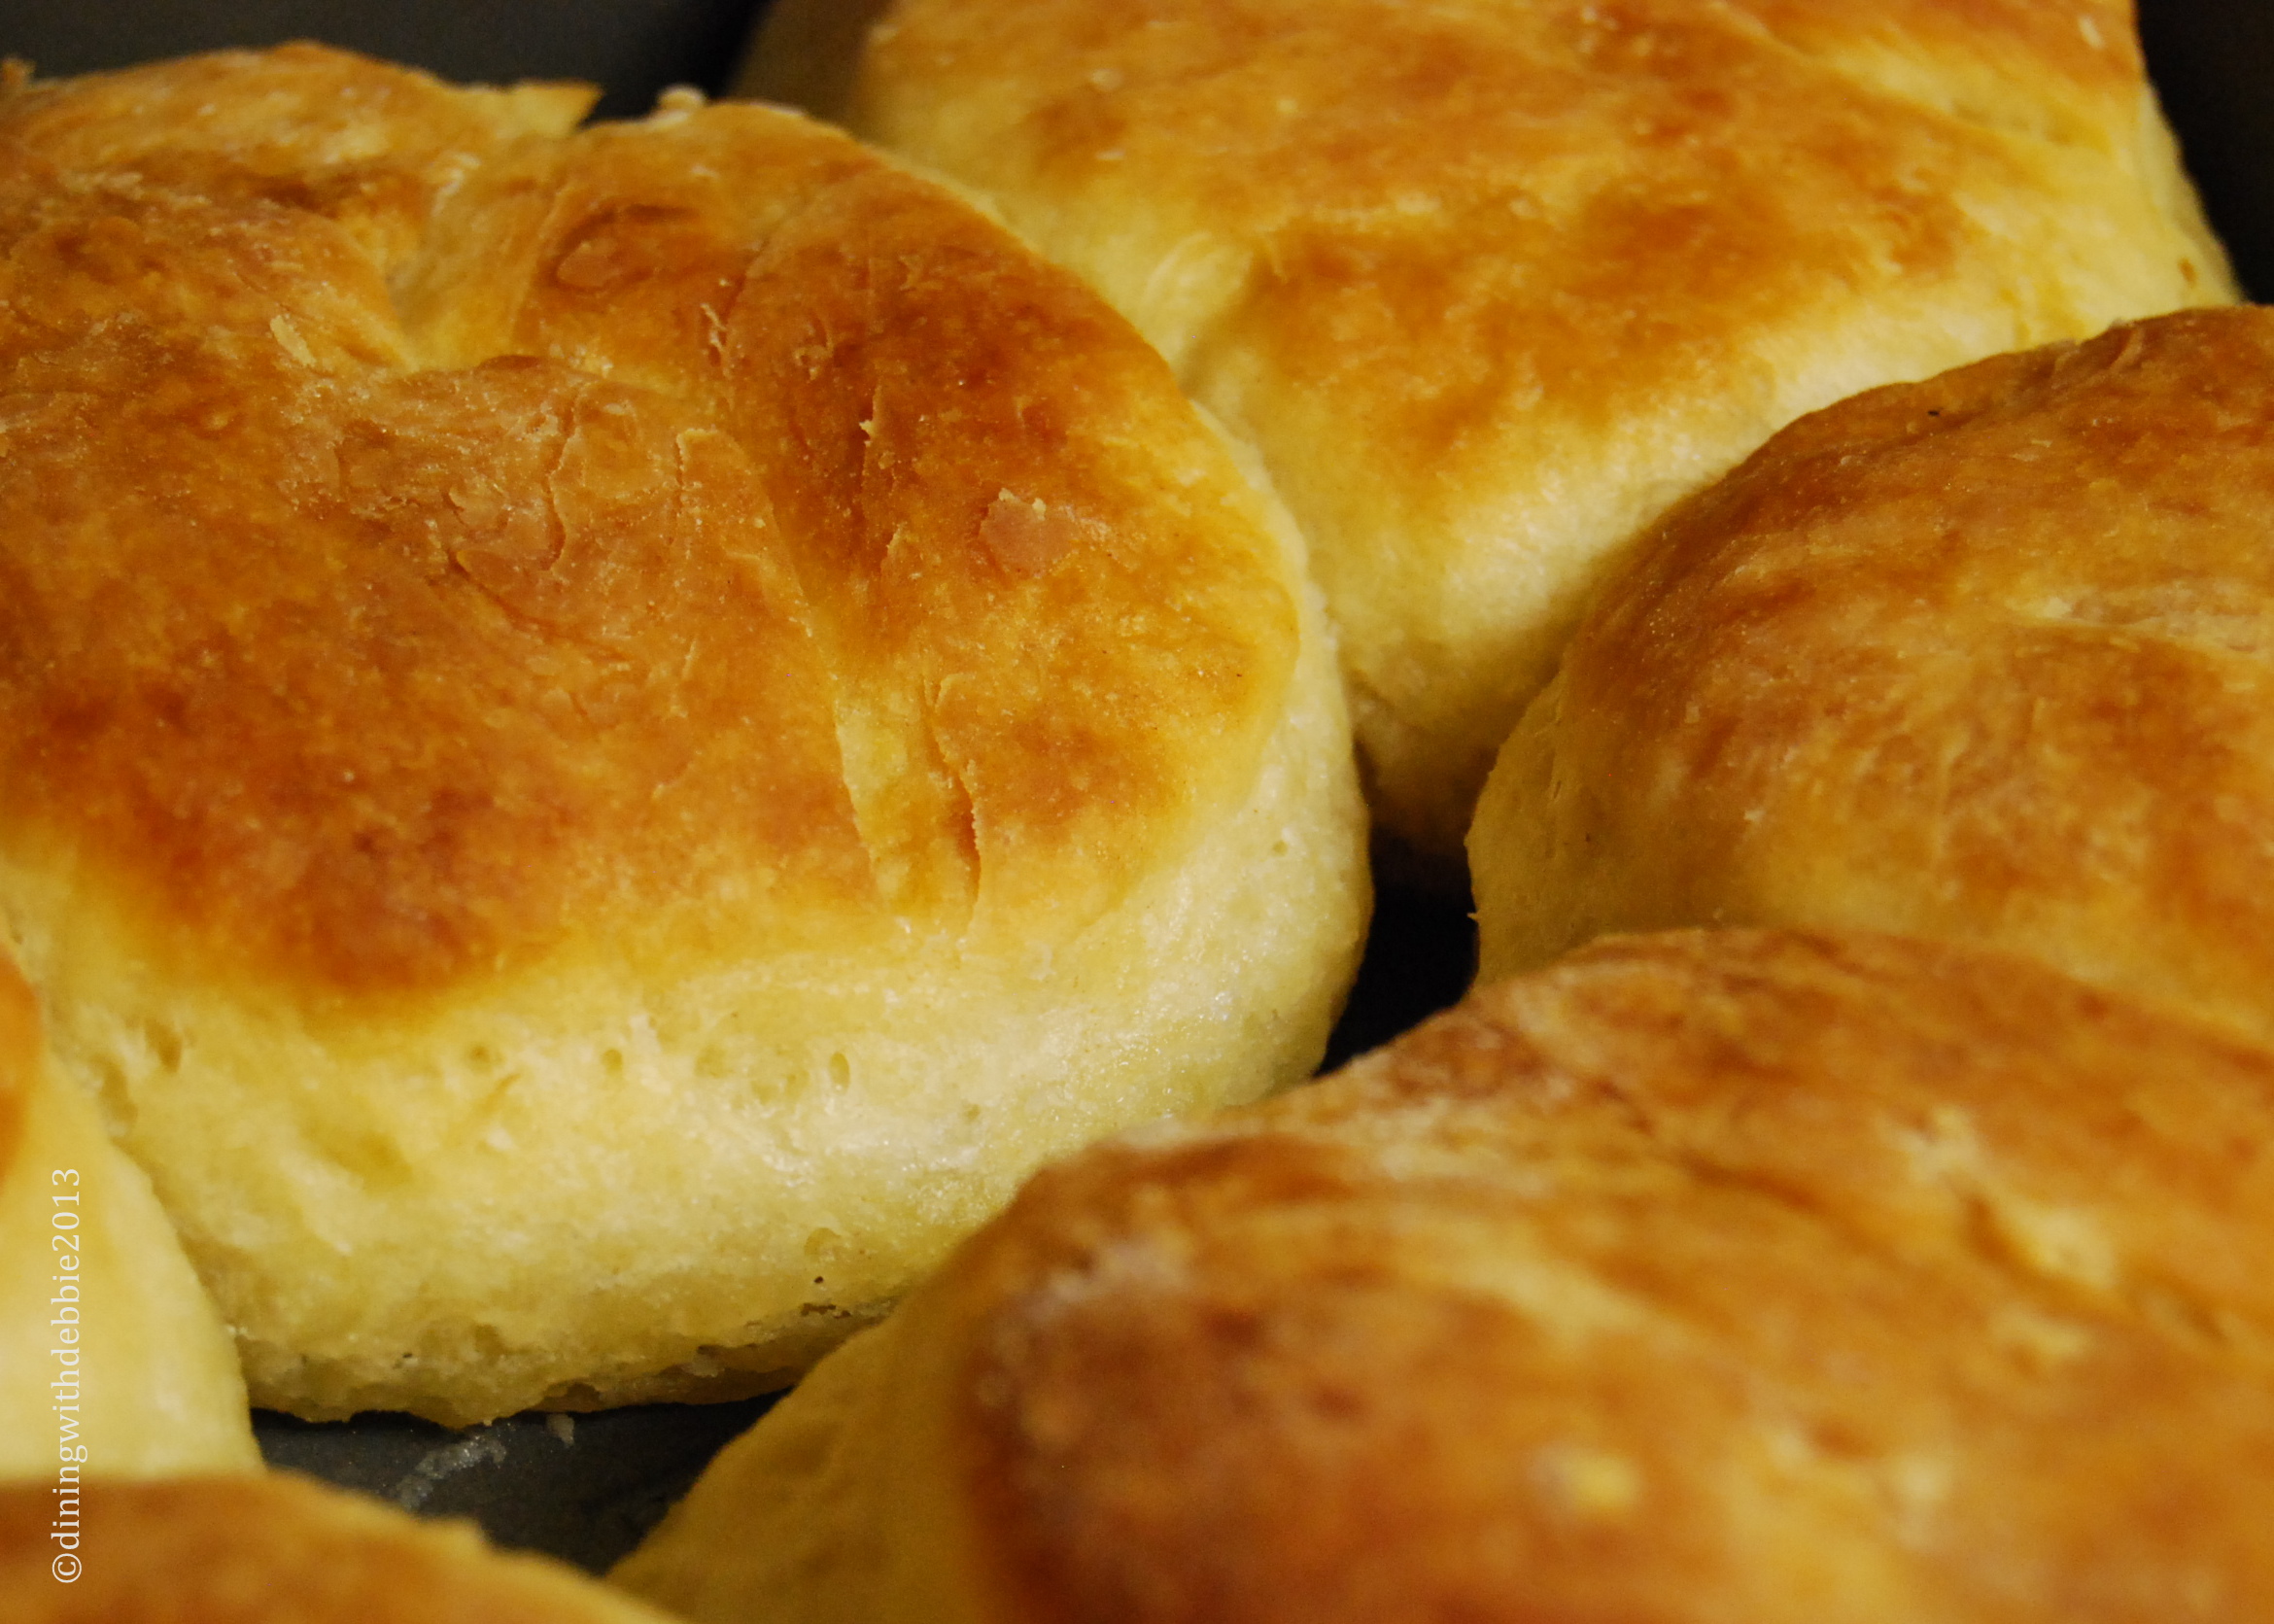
(1699, 1277)
(1983, 657)
(606, 735)
(1490, 284)
(111, 1359)
(270, 1550)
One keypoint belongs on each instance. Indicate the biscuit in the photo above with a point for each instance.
(1981, 657)
(1490, 284)
(1700, 1276)
(607, 735)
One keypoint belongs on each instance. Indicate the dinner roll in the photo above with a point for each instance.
(112, 1360)
(1701, 1277)
(270, 1550)
(1989, 656)
(604, 737)
(1490, 284)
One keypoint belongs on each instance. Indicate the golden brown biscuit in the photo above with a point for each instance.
(112, 1360)
(1701, 1277)
(608, 734)
(1491, 284)
(268, 1550)
(1987, 656)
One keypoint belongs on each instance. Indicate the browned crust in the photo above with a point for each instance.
(428, 540)
(1985, 656)
(1490, 284)
(1580, 206)
(1447, 239)
(1706, 1276)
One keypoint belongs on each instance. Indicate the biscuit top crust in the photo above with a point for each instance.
(1451, 213)
(431, 537)
(1491, 283)
(1987, 656)
(1747, 1275)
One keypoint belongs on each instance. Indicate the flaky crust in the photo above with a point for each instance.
(1491, 283)
(268, 1550)
(610, 702)
(1703, 1276)
(509, 577)
(111, 1359)
(1984, 657)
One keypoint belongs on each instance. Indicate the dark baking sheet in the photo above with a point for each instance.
(585, 1488)
(2213, 61)
(582, 1487)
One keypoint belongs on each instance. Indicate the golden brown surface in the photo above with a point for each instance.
(1982, 657)
(666, 671)
(1699, 1277)
(1489, 285)
(270, 1550)
(555, 575)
